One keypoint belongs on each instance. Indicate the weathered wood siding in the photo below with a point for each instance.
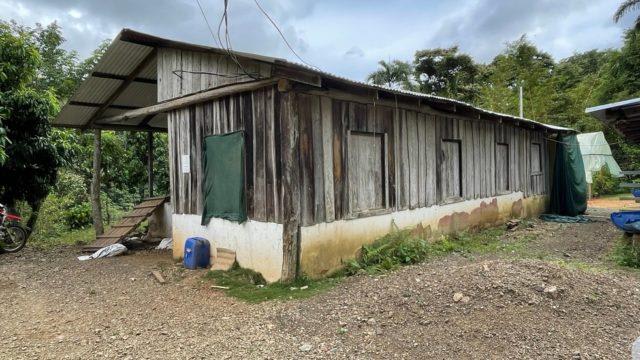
(182, 72)
(356, 159)
(428, 158)
(255, 114)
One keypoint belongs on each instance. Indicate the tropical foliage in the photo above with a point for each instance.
(393, 74)
(51, 168)
(626, 7)
(554, 92)
(30, 156)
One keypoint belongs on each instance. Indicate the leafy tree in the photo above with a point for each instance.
(448, 73)
(57, 70)
(394, 74)
(521, 64)
(626, 7)
(620, 80)
(32, 159)
(3, 136)
(576, 80)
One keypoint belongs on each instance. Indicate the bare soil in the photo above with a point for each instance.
(55, 307)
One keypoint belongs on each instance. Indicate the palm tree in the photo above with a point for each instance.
(626, 7)
(393, 74)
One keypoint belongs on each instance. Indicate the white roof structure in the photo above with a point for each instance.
(596, 153)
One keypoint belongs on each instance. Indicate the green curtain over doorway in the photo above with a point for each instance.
(223, 170)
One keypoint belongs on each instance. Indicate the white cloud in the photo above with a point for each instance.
(75, 13)
(347, 38)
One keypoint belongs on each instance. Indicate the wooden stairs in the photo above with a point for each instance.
(127, 224)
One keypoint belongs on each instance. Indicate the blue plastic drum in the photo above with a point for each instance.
(196, 253)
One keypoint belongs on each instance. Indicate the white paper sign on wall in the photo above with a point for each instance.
(186, 164)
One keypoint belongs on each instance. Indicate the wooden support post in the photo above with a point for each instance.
(290, 186)
(96, 206)
(150, 162)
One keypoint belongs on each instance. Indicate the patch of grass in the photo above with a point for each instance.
(626, 253)
(69, 237)
(578, 265)
(250, 286)
(402, 248)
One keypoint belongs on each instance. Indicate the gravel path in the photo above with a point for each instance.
(56, 307)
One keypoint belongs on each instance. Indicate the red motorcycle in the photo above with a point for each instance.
(13, 236)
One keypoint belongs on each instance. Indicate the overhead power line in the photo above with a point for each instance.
(284, 38)
(227, 40)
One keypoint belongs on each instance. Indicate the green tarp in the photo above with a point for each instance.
(569, 188)
(223, 170)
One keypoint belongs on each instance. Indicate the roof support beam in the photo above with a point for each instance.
(190, 100)
(112, 106)
(125, 83)
(117, 127)
(103, 75)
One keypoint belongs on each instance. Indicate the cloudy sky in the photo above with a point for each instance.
(346, 37)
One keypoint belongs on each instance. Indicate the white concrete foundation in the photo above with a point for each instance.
(258, 245)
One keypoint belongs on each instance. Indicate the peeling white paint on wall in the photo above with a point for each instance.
(258, 245)
(325, 246)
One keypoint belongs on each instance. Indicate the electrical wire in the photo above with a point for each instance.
(218, 40)
(282, 36)
(207, 22)
(229, 49)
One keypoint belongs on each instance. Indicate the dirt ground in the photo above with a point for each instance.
(55, 307)
(614, 203)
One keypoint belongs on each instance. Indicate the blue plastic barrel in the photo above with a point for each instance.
(196, 253)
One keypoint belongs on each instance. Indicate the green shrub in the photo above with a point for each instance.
(78, 216)
(604, 183)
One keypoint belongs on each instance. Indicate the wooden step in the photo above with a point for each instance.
(224, 260)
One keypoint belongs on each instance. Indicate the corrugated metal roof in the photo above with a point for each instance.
(123, 58)
(96, 90)
(624, 116)
(130, 48)
(118, 62)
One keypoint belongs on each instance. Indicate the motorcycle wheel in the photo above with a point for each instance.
(15, 239)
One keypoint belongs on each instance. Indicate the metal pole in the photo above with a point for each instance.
(521, 110)
(150, 161)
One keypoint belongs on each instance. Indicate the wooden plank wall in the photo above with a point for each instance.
(253, 112)
(414, 146)
(182, 72)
